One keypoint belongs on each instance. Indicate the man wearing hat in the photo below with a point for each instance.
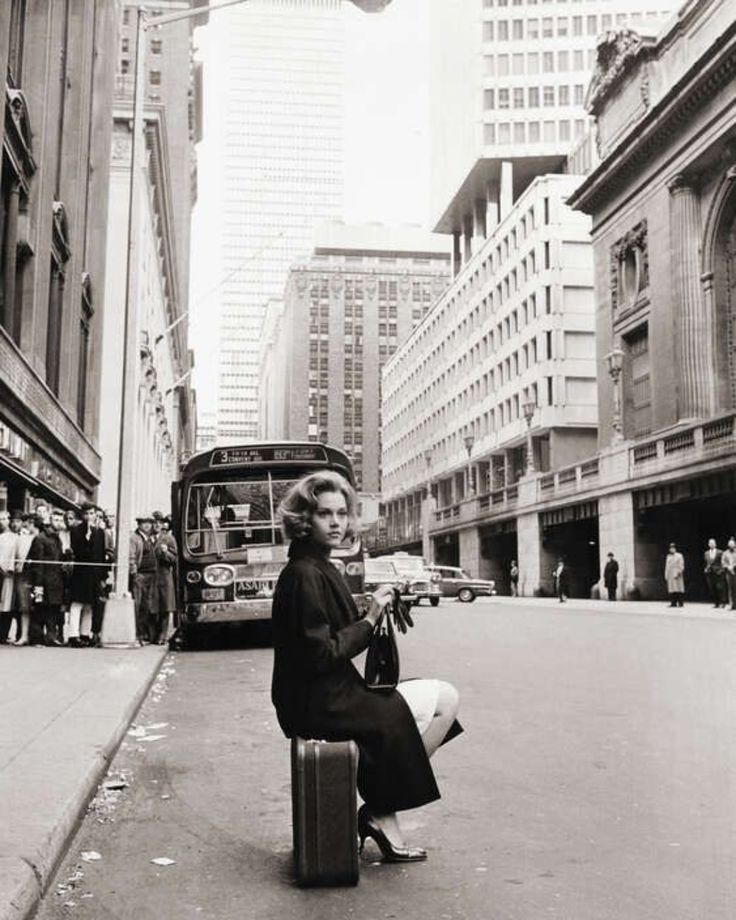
(166, 556)
(143, 570)
(87, 544)
(23, 586)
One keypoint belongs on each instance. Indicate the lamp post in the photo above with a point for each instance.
(615, 365)
(469, 441)
(426, 540)
(529, 408)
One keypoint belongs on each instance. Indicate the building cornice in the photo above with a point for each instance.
(656, 130)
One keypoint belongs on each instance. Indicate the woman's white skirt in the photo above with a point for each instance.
(421, 697)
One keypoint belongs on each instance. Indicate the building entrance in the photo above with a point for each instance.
(571, 533)
(499, 548)
(447, 549)
(687, 521)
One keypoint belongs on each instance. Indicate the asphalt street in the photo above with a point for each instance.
(596, 780)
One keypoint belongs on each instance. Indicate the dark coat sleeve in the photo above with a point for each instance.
(323, 646)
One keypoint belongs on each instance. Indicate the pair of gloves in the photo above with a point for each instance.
(399, 610)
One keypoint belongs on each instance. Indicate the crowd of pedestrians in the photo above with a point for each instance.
(56, 573)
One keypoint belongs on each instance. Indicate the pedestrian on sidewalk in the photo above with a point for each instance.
(610, 577)
(8, 545)
(88, 576)
(714, 574)
(166, 558)
(143, 571)
(562, 581)
(46, 558)
(514, 578)
(674, 575)
(16, 525)
(728, 560)
(23, 586)
(318, 692)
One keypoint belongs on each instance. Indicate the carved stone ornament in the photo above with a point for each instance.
(60, 233)
(19, 136)
(618, 51)
(629, 267)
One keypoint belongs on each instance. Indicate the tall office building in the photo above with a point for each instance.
(278, 67)
(509, 84)
(344, 313)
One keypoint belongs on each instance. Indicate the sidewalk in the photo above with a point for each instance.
(696, 609)
(63, 713)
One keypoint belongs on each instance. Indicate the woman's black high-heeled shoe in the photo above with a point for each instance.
(390, 852)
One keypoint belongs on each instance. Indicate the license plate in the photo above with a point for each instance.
(213, 594)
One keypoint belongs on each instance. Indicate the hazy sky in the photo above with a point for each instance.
(386, 152)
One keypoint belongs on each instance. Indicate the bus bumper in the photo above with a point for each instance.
(228, 611)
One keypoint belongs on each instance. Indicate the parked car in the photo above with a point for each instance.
(456, 582)
(383, 572)
(414, 569)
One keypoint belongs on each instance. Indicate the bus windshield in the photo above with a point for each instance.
(232, 514)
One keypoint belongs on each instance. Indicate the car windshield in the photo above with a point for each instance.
(409, 565)
(375, 570)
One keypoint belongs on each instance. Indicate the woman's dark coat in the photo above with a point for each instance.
(86, 580)
(46, 548)
(319, 693)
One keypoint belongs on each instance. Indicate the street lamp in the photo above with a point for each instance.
(615, 365)
(469, 441)
(529, 408)
(428, 453)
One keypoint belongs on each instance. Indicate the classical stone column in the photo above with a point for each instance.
(10, 254)
(696, 397)
(457, 252)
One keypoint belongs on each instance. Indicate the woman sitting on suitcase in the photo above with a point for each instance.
(319, 693)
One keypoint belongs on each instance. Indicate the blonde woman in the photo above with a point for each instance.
(317, 690)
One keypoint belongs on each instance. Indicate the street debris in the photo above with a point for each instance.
(163, 861)
(70, 884)
(115, 784)
(152, 737)
(91, 855)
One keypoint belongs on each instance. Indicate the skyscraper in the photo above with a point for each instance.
(278, 67)
(509, 83)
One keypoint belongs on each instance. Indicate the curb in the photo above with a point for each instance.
(23, 884)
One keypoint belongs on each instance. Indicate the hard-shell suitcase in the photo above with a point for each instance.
(323, 799)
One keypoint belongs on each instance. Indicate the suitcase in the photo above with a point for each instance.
(324, 816)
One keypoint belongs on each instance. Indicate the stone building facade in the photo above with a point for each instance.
(663, 203)
(58, 62)
(164, 417)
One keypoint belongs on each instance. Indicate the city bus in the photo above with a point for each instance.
(224, 518)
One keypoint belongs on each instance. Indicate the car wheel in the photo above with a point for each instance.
(465, 595)
(434, 601)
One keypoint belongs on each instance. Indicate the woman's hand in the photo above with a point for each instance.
(382, 596)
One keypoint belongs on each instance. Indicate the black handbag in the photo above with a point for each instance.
(382, 660)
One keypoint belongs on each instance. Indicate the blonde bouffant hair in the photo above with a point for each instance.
(300, 503)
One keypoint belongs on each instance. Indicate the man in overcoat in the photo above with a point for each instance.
(166, 558)
(143, 573)
(674, 575)
(87, 543)
(610, 577)
(714, 575)
(46, 559)
(561, 577)
(729, 569)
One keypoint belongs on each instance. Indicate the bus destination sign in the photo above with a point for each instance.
(243, 456)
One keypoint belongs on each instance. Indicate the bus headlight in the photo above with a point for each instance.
(219, 575)
(354, 568)
(193, 576)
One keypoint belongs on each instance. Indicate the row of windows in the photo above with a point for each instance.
(549, 27)
(532, 132)
(531, 62)
(521, 97)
